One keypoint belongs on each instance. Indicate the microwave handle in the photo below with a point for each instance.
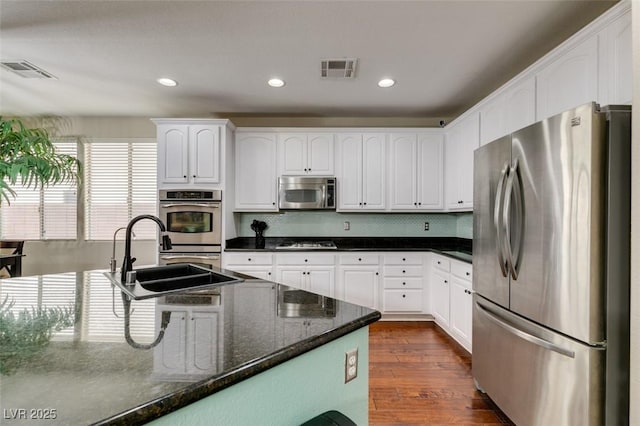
(166, 206)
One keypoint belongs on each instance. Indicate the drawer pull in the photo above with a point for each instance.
(404, 283)
(404, 295)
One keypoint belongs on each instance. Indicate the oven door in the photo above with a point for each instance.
(192, 223)
(206, 260)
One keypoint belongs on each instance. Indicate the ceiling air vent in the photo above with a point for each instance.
(338, 68)
(26, 69)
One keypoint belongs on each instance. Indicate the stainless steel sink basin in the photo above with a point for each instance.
(160, 280)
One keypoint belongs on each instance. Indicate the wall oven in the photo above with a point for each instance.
(193, 219)
(306, 193)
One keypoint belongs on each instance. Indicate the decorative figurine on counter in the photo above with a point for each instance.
(259, 227)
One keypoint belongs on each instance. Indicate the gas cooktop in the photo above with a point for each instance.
(306, 245)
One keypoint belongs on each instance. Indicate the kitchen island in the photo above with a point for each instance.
(231, 356)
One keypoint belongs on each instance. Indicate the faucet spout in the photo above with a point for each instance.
(127, 263)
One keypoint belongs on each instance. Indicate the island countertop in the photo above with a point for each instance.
(87, 373)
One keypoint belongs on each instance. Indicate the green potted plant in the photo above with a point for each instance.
(28, 157)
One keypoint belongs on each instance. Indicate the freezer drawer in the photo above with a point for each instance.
(535, 376)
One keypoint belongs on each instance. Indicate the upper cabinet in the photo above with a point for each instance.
(256, 179)
(361, 171)
(416, 171)
(189, 153)
(461, 140)
(570, 80)
(616, 70)
(508, 111)
(305, 154)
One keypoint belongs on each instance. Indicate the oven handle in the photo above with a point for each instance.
(215, 257)
(211, 206)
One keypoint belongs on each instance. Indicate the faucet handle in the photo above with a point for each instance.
(133, 259)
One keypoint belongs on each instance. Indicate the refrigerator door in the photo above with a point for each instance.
(558, 168)
(491, 164)
(535, 376)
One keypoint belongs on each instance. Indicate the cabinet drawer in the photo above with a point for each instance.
(402, 301)
(248, 258)
(410, 282)
(403, 259)
(359, 259)
(441, 262)
(403, 271)
(305, 259)
(461, 270)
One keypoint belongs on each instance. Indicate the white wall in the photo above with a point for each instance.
(634, 416)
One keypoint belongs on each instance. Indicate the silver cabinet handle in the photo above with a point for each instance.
(166, 206)
(524, 335)
(190, 257)
(496, 219)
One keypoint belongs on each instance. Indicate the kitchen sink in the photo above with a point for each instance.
(156, 281)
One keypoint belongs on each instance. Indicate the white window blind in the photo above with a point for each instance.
(42, 214)
(120, 183)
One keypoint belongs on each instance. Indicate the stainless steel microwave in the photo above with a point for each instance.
(306, 193)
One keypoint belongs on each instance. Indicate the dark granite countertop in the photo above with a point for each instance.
(458, 248)
(87, 373)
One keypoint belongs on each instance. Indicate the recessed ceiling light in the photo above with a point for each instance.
(386, 82)
(275, 82)
(167, 82)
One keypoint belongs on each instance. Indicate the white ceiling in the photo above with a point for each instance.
(106, 55)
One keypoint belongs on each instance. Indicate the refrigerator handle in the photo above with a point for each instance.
(524, 335)
(496, 219)
(513, 252)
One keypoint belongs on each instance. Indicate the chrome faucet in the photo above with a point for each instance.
(127, 263)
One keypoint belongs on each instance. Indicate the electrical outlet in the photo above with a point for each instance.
(426, 226)
(347, 225)
(351, 365)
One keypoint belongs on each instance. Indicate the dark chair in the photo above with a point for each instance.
(11, 257)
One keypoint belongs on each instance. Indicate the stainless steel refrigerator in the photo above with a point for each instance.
(551, 236)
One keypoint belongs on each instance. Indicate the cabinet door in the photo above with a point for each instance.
(373, 171)
(462, 140)
(520, 106)
(173, 154)
(256, 181)
(616, 68)
(461, 310)
(440, 298)
(403, 172)
(360, 286)
(321, 280)
(291, 275)
(204, 155)
(350, 173)
(569, 81)
(320, 154)
(429, 177)
(204, 327)
(170, 355)
(292, 154)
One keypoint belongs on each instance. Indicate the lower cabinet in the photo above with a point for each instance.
(191, 346)
(314, 272)
(255, 264)
(359, 280)
(452, 298)
(404, 283)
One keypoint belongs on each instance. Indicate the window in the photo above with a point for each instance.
(42, 214)
(120, 183)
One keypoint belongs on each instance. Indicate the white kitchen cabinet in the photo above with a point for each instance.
(306, 154)
(359, 281)
(615, 62)
(416, 171)
(460, 311)
(461, 140)
(256, 179)
(255, 264)
(361, 172)
(188, 153)
(314, 272)
(440, 298)
(569, 80)
(191, 346)
(511, 110)
(403, 283)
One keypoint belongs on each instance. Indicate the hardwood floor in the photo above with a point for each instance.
(419, 376)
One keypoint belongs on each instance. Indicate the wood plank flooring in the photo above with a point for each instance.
(420, 376)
